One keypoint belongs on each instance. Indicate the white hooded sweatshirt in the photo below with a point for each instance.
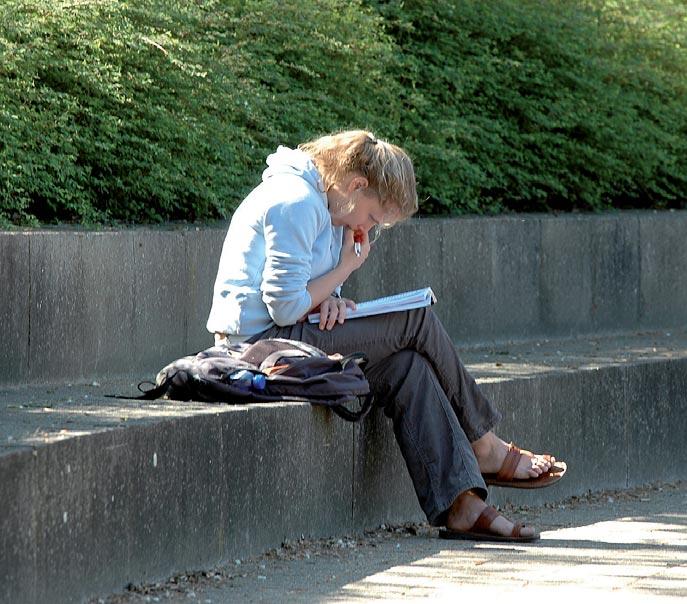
(280, 238)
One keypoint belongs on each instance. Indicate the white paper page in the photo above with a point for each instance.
(394, 303)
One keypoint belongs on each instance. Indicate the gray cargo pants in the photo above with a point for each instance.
(436, 407)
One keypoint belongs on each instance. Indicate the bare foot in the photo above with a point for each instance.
(490, 452)
(468, 506)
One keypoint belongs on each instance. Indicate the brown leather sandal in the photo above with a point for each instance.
(481, 530)
(505, 476)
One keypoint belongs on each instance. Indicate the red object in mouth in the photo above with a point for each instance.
(358, 236)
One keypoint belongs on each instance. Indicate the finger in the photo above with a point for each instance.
(366, 245)
(342, 311)
(350, 304)
(324, 314)
(333, 315)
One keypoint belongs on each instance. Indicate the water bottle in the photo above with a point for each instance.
(259, 381)
(247, 380)
(242, 379)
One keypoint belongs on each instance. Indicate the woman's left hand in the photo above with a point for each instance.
(333, 310)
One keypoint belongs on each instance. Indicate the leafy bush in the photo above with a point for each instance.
(148, 111)
(144, 110)
(524, 105)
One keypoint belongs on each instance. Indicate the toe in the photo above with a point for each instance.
(541, 463)
(504, 526)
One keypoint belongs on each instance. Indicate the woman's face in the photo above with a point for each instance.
(360, 207)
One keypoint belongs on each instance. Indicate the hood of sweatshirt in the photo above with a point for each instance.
(293, 161)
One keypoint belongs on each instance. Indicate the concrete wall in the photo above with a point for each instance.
(138, 501)
(78, 304)
(527, 276)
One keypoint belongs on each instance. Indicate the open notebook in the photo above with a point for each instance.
(405, 301)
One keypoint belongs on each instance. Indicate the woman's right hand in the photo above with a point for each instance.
(321, 288)
(349, 258)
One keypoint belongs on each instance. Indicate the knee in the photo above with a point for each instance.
(404, 369)
(404, 364)
(425, 320)
(423, 314)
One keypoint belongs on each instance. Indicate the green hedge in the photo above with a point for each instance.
(143, 111)
(539, 106)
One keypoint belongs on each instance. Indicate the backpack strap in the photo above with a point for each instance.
(148, 394)
(353, 416)
(358, 358)
(272, 358)
(257, 352)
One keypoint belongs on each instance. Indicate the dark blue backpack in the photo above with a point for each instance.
(268, 370)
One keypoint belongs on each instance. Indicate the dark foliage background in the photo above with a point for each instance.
(146, 111)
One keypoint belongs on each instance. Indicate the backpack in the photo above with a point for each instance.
(268, 370)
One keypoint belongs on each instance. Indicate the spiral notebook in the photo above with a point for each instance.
(417, 298)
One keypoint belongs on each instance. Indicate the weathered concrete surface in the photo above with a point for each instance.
(382, 489)
(566, 276)
(56, 343)
(203, 247)
(99, 492)
(663, 251)
(615, 274)
(467, 256)
(106, 311)
(538, 276)
(160, 293)
(80, 298)
(14, 309)
(93, 303)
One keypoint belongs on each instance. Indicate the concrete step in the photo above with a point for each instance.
(625, 546)
(100, 492)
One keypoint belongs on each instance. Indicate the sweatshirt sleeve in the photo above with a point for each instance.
(290, 229)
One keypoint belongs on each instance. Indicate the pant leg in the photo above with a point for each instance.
(418, 330)
(436, 449)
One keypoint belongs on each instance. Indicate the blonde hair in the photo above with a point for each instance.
(388, 169)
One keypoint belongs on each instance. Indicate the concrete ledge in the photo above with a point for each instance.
(91, 303)
(90, 509)
(100, 492)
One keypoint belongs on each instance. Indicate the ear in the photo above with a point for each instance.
(357, 182)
